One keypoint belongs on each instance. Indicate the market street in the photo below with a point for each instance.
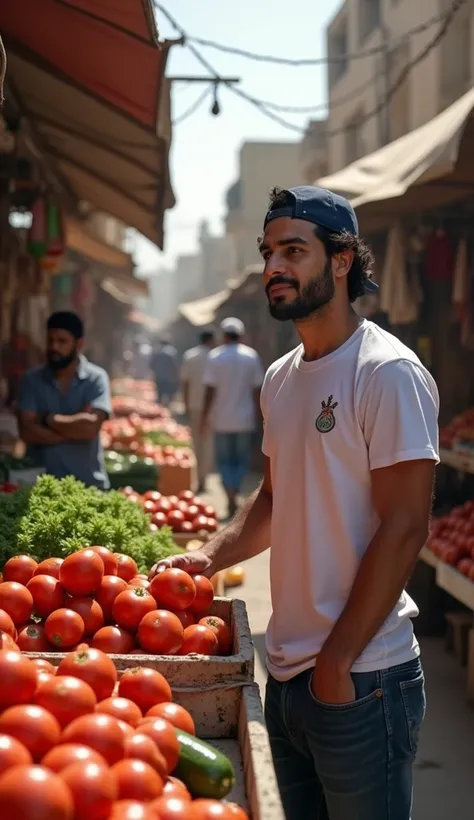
(443, 772)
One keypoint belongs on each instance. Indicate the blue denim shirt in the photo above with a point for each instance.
(40, 393)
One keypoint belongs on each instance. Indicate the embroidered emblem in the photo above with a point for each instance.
(326, 420)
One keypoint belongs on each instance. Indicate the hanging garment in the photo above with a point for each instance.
(439, 257)
(399, 300)
(461, 281)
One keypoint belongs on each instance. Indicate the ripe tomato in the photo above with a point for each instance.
(199, 640)
(131, 606)
(92, 666)
(47, 593)
(186, 495)
(132, 810)
(159, 519)
(64, 628)
(33, 726)
(191, 513)
(175, 714)
(93, 788)
(186, 617)
(7, 642)
(204, 595)
(144, 686)
(110, 587)
(121, 708)
(7, 625)
(164, 735)
(17, 678)
(41, 665)
(109, 558)
(114, 639)
(175, 520)
(50, 566)
(81, 573)
(221, 630)
(17, 601)
(13, 753)
(173, 589)
(211, 525)
(65, 754)
(176, 788)
(172, 808)
(203, 809)
(101, 733)
(163, 506)
(33, 639)
(236, 812)
(161, 633)
(141, 747)
(126, 567)
(139, 582)
(34, 793)
(126, 729)
(200, 523)
(90, 612)
(20, 568)
(67, 698)
(137, 780)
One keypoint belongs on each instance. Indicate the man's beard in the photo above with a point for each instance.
(310, 299)
(60, 363)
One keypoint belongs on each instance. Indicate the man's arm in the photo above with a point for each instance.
(78, 427)
(33, 432)
(209, 397)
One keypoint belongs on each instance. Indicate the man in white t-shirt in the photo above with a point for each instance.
(192, 380)
(350, 444)
(233, 379)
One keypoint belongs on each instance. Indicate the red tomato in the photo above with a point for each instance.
(33, 726)
(13, 753)
(209, 511)
(101, 732)
(65, 754)
(7, 642)
(114, 639)
(93, 788)
(197, 640)
(34, 793)
(144, 686)
(163, 505)
(186, 495)
(81, 573)
(92, 666)
(191, 513)
(126, 567)
(127, 730)
(109, 558)
(465, 565)
(17, 601)
(203, 809)
(139, 582)
(152, 495)
(131, 606)
(67, 698)
(121, 708)
(173, 589)
(187, 527)
(20, 568)
(173, 499)
(137, 780)
(132, 810)
(211, 525)
(176, 788)
(17, 679)
(41, 665)
(159, 519)
(175, 520)
(7, 625)
(165, 737)
(200, 523)
(172, 808)
(175, 714)
(236, 812)
(90, 612)
(221, 630)
(110, 587)
(47, 593)
(50, 566)
(64, 628)
(160, 632)
(186, 617)
(204, 595)
(141, 747)
(33, 639)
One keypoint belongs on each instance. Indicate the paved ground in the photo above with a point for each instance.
(445, 766)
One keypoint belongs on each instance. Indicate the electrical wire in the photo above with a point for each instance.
(193, 107)
(325, 106)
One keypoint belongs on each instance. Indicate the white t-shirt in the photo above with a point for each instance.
(192, 372)
(328, 423)
(235, 371)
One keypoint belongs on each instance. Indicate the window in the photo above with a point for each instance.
(354, 142)
(337, 48)
(369, 17)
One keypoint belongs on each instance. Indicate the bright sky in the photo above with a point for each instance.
(204, 151)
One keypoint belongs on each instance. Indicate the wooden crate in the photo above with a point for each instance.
(172, 480)
(196, 670)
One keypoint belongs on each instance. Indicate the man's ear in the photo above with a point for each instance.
(342, 263)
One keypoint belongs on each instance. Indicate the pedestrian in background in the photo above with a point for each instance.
(233, 378)
(165, 367)
(192, 382)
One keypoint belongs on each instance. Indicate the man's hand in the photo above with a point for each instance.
(195, 562)
(329, 684)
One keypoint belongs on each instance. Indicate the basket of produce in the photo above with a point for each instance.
(186, 514)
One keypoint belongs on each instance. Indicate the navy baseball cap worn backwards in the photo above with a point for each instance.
(324, 208)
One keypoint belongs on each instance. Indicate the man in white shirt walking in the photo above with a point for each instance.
(192, 380)
(350, 443)
(233, 379)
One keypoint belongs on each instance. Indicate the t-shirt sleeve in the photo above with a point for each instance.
(264, 409)
(399, 414)
(28, 395)
(99, 395)
(210, 374)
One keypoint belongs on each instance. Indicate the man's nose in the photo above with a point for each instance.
(274, 266)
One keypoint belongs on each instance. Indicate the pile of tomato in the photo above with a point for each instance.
(79, 743)
(184, 513)
(452, 538)
(99, 597)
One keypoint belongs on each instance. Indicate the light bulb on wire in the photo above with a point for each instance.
(216, 109)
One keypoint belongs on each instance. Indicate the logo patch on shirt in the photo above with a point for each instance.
(326, 420)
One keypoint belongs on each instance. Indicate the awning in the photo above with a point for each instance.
(148, 322)
(79, 239)
(124, 287)
(427, 168)
(203, 311)
(90, 76)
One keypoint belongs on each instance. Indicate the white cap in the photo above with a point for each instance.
(233, 325)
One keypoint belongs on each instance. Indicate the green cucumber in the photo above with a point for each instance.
(203, 769)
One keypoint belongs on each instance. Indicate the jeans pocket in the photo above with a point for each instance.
(414, 703)
(376, 694)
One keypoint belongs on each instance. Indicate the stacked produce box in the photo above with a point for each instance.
(452, 538)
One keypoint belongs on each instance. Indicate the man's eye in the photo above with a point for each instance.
(292, 251)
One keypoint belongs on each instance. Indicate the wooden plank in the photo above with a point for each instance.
(456, 584)
(429, 557)
(463, 462)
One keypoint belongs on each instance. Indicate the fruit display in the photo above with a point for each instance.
(99, 596)
(452, 538)
(460, 430)
(161, 439)
(129, 470)
(81, 742)
(184, 513)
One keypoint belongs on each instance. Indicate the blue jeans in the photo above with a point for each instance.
(232, 454)
(351, 761)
